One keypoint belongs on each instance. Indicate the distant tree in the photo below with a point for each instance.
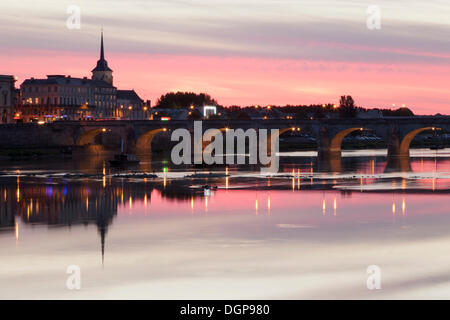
(234, 108)
(242, 115)
(401, 112)
(347, 107)
(183, 100)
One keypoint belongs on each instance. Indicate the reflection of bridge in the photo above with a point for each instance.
(398, 133)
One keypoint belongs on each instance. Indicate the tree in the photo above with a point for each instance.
(183, 100)
(347, 107)
(401, 112)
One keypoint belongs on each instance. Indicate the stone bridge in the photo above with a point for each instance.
(397, 132)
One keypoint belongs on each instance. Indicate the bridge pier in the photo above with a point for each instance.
(329, 158)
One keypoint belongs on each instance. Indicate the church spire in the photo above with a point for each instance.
(102, 64)
(102, 52)
(102, 71)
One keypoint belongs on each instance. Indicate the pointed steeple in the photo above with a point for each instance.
(102, 52)
(102, 64)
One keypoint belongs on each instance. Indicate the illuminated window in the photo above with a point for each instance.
(209, 110)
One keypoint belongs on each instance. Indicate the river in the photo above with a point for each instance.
(299, 234)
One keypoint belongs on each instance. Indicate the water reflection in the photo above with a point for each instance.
(53, 199)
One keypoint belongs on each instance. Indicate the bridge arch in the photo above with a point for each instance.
(88, 136)
(408, 138)
(336, 142)
(280, 132)
(144, 142)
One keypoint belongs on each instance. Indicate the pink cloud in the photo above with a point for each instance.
(245, 81)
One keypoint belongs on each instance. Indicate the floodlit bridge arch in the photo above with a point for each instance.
(88, 136)
(408, 138)
(144, 142)
(336, 142)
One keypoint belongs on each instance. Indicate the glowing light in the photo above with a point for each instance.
(209, 110)
(324, 206)
(403, 206)
(226, 178)
(335, 205)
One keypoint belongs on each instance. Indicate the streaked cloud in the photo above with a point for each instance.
(329, 35)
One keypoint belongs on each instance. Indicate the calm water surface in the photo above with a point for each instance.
(299, 234)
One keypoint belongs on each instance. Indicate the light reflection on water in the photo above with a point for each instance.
(301, 234)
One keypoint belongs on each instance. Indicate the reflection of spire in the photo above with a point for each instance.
(102, 226)
(102, 240)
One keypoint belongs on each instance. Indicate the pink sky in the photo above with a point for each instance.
(242, 53)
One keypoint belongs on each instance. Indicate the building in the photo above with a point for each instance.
(131, 106)
(61, 97)
(7, 98)
(64, 97)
